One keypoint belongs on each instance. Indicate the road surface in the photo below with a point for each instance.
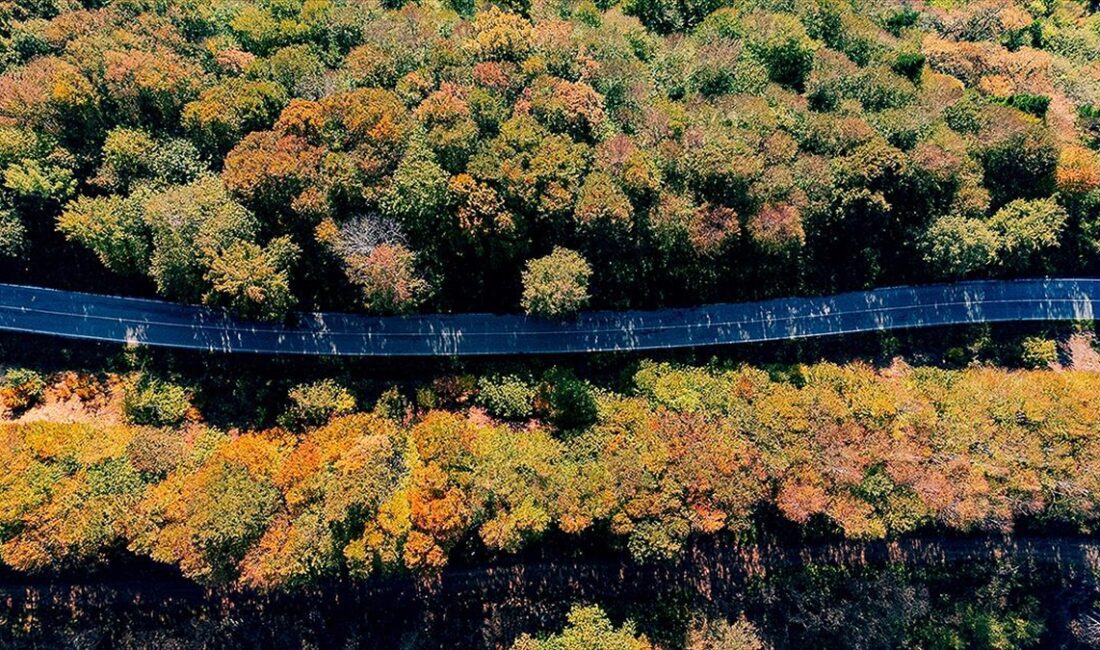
(155, 323)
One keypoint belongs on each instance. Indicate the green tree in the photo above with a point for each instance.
(297, 68)
(1019, 155)
(958, 246)
(570, 402)
(781, 43)
(130, 157)
(664, 16)
(259, 29)
(113, 227)
(588, 628)
(316, 403)
(507, 396)
(1027, 228)
(538, 173)
(126, 158)
(220, 513)
(603, 204)
(152, 401)
(556, 285)
(418, 197)
(448, 121)
(39, 183)
(191, 226)
(252, 280)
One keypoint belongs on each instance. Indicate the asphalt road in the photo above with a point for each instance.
(150, 322)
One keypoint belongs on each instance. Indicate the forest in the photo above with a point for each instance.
(543, 507)
(822, 451)
(270, 155)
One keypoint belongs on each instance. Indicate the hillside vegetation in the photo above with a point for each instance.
(840, 451)
(270, 154)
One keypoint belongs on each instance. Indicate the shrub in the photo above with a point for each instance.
(569, 402)
(155, 402)
(556, 285)
(588, 627)
(316, 403)
(12, 233)
(1038, 352)
(392, 404)
(899, 20)
(21, 389)
(155, 452)
(909, 65)
(1032, 104)
(507, 396)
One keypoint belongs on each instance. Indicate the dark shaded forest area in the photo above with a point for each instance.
(921, 593)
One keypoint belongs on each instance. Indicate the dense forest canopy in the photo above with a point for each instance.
(272, 154)
(840, 451)
(549, 156)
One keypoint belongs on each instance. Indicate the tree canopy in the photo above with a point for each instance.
(844, 450)
(391, 157)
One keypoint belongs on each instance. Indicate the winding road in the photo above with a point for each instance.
(150, 322)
